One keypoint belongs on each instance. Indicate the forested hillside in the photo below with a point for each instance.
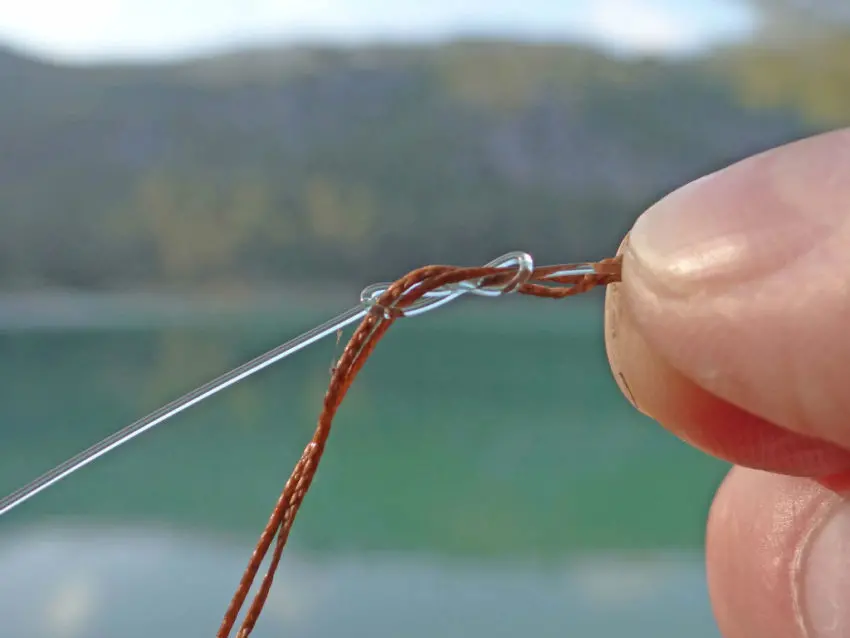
(358, 164)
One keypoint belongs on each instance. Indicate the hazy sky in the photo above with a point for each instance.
(93, 29)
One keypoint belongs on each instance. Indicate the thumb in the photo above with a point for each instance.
(735, 300)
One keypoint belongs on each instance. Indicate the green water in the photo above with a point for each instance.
(484, 478)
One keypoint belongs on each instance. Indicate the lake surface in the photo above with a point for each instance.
(484, 478)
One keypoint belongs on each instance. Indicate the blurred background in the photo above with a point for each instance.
(185, 184)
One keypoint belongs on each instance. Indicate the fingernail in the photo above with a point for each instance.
(824, 583)
(742, 222)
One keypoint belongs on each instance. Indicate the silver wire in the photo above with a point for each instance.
(431, 300)
(177, 406)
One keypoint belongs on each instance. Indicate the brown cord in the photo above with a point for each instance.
(389, 307)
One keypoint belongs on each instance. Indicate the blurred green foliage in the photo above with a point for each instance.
(272, 166)
(813, 78)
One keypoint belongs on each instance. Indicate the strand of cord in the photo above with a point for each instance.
(388, 307)
(430, 278)
(606, 271)
(354, 356)
(543, 281)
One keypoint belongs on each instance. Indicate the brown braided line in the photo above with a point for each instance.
(542, 282)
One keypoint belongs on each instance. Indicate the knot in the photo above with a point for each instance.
(391, 311)
(524, 271)
(483, 286)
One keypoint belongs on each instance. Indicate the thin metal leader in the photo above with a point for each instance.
(433, 299)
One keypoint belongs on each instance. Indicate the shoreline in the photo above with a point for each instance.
(87, 310)
(61, 309)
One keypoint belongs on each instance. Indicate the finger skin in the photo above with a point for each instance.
(741, 282)
(700, 418)
(757, 533)
(741, 345)
(730, 328)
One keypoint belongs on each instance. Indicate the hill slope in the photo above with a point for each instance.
(274, 165)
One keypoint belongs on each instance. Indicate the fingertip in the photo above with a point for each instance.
(757, 528)
(740, 281)
(662, 392)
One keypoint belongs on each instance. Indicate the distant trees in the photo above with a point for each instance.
(799, 59)
(198, 226)
(360, 165)
(786, 22)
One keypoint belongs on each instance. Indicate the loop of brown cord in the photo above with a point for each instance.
(389, 307)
